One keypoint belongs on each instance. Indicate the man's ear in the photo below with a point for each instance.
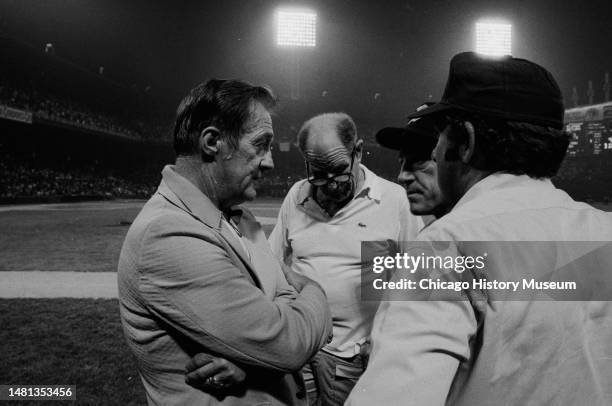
(209, 142)
(466, 151)
(359, 148)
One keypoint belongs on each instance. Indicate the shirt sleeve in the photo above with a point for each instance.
(416, 350)
(284, 291)
(189, 281)
(417, 347)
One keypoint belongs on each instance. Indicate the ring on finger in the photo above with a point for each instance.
(217, 382)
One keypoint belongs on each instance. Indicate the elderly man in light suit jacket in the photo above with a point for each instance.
(196, 274)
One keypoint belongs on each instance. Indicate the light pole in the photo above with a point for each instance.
(295, 28)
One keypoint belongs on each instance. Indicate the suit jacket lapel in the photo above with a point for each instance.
(230, 238)
(183, 194)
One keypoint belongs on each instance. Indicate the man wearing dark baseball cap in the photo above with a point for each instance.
(501, 140)
(417, 175)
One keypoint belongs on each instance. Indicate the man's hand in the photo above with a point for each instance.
(297, 280)
(213, 374)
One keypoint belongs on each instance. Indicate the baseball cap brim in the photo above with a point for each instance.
(390, 137)
(395, 138)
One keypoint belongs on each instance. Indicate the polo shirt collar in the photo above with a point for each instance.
(371, 185)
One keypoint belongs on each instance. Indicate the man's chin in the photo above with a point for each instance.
(415, 199)
(249, 194)
(338, 197)
(420, 212)
(418, 208)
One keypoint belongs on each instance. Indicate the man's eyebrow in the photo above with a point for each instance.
(342, 165)
(331, 168)
(263, 138)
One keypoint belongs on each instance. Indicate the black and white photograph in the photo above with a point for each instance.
(313, 203)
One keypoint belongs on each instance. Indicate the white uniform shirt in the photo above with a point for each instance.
(510, 352)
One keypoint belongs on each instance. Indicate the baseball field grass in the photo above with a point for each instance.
(79, 237)
(72, 237)
(72, 342)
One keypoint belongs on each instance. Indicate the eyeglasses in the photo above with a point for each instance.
(340, 178)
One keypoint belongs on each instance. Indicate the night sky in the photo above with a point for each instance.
(399, 49)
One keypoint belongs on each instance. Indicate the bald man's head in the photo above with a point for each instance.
(324, 126)
(330, 147)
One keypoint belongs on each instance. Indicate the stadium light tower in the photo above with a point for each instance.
(296, 28)
(493, 38)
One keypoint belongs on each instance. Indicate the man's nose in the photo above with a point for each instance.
(434, 152)
(332, 185)
(405, 177)
(267, 163)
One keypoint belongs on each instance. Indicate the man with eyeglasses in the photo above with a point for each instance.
(319, 231)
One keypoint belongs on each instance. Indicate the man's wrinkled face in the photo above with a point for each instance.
(418, 175)
(251, 158)
(327, 157)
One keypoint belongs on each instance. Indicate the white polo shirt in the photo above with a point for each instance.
(328, 249)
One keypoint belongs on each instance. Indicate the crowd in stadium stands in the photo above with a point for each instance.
(64, 111)
(583, 180)
(22, 181)
(69, 112)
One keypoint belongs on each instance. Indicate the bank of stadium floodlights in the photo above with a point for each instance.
(296, 27)
(493, 37)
